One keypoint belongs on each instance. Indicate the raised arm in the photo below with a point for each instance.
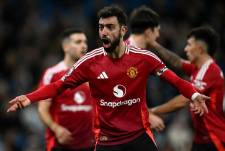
(168, 56)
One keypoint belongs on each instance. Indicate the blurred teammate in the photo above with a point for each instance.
(144, 26)
(207, 77)
(117, 74)
(68, 116)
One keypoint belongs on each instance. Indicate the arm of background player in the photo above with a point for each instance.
(63, 135)
(177, 103)
(173, 104)
(156, 122)
(168, 56)
(44, 113)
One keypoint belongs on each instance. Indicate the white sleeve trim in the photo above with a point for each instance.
(193, 97)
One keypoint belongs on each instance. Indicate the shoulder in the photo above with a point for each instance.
(87, 59)
(142, 52)
(90, 55)
(51, 71)
(210, 72)
(215, 71)
(214, 66)
(94, 53)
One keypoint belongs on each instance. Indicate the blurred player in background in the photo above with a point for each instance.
(68, 116)
(144, 26)
(207, 77)
(117, 74)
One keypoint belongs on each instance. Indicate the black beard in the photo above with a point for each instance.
(113, 46)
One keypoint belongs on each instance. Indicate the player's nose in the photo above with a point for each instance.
(105, 32)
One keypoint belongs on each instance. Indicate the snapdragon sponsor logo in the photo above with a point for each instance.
(119, 91)
(76, 108)
(128, 102)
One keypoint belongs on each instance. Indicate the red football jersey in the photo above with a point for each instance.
(72, 109)
(119, 90)
(208, 80)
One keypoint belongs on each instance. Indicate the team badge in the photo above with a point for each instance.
(132, 72)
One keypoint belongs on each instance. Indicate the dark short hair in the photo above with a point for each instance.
(143, 18)
(208, 35)
(69, 31)
(111, 11)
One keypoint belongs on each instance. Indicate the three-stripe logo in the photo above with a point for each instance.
(102, 75)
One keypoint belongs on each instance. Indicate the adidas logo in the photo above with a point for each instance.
(103, 75)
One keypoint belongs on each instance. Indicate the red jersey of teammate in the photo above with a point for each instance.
(72, 109)
(208, 80)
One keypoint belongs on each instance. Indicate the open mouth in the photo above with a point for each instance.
(106, 42)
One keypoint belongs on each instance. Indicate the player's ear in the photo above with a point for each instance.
(124, 30)
(148, 31)
(65, 45)
(202, 46)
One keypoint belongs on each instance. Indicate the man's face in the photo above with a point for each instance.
(76, 46)
(192, 49)
(110, 32)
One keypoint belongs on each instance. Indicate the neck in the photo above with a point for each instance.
(139, 40)
(202, 60)
(69, 61)
(118, 51)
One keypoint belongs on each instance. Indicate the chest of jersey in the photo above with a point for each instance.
(118, 78)
(198, 82)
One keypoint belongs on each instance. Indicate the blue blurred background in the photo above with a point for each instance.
(29, 43)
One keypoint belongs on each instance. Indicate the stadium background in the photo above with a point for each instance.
(28, 44)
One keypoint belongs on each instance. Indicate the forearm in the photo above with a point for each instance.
(173, 104)
(168, 56)
(184, 87)
(44, 113)
(48, 121)
(46, 92)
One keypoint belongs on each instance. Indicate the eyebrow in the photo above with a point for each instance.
(105, 24)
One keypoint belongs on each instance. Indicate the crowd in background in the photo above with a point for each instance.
(29, 31)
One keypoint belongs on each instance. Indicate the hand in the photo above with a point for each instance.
(63, 135)
(18, 103)
(156, 122)
(198, 105)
